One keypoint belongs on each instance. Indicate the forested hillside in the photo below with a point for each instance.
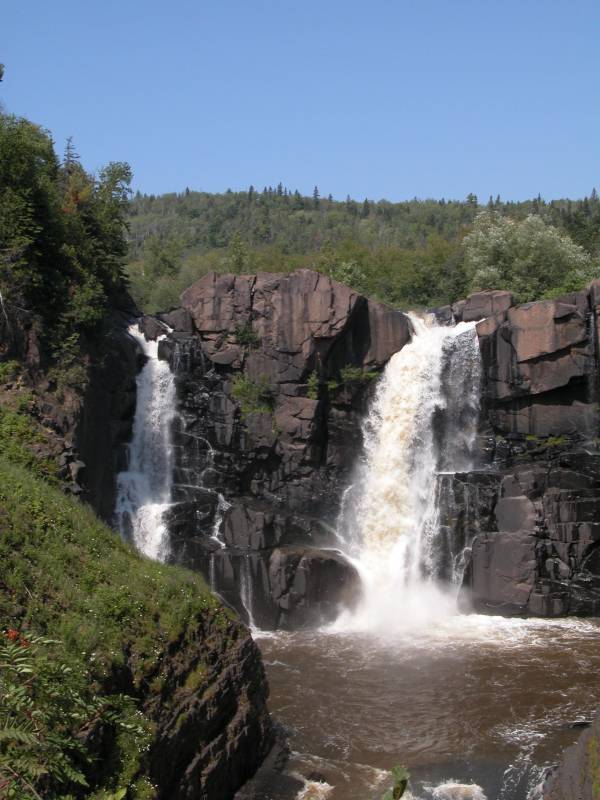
(414, 253)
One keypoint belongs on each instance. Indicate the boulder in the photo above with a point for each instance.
(311, 586)
(152, 327)
(485, 304)
(502, 572)
(577, 776)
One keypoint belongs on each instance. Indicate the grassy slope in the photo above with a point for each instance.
(66, 574)
(122, 619)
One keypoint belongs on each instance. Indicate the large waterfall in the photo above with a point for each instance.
(144, 489)
(422, 422)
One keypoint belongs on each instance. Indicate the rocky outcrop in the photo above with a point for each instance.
(212, 725)
(274, 373)
(577, 777)
(531, 545)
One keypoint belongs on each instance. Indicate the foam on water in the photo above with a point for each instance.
(389, 518)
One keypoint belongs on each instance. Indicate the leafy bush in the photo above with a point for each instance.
(254, 397)
(313, 386)
(9, 371)
(350, 374)
(246, 336)
(529, 257)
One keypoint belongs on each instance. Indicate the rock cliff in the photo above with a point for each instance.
(273, 376)
(531, 514)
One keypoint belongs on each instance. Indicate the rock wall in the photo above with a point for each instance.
(532, 541)
(273, 376)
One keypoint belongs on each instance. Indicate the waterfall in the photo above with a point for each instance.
(144, 488)
(422, 423)
(246, 590)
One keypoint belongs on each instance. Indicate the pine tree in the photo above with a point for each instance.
(316, 197)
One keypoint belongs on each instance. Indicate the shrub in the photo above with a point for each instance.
(246, 336)
(313, 386)
(9, 371)
(350, 374)
(254, 397)
(528, 257)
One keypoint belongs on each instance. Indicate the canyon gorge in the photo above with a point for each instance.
(402, 507)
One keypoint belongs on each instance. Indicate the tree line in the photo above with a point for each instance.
(414, 253)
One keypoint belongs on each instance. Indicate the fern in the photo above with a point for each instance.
(45, 705)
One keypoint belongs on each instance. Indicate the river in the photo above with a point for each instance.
(473, 706)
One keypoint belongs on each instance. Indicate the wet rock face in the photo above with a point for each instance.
(274, 373)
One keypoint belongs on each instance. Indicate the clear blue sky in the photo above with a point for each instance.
(386, 98)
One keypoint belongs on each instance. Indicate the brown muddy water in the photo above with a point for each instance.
(475, 707)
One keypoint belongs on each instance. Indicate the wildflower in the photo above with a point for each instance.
(12, 634)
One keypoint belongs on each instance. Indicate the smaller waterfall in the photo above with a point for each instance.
(422, 422)
(246, 590)
(144, 488)
(222, 506)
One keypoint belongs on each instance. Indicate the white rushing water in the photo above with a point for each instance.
(422, 422)
(144, 489)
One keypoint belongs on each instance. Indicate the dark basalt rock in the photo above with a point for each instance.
(578, 775)
(105, 419)
(283, 463)
(529, 542)
(540, 554)
(152, 327)
(310, 586)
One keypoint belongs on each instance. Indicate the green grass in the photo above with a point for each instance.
(22, 439)
(66, 574)
(119, 618)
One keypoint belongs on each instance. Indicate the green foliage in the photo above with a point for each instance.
(68, 370)
(313, 386)
(67, 577)
(350, 374)
(556, 441)
(62, 230)
(401, 777)
(45, 706)
(238, 255)
(409, 254)
(246, 336)
(528, 257)
(254, 397)
(22, 439)
(9, 371)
